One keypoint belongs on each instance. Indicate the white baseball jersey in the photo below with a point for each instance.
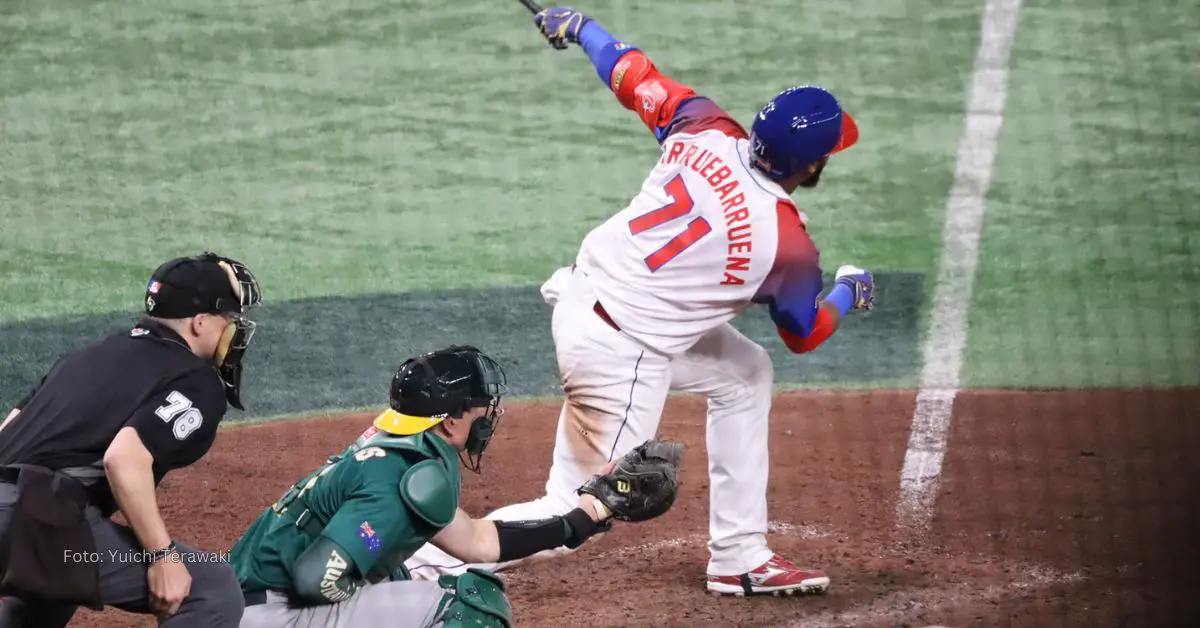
(705, 238)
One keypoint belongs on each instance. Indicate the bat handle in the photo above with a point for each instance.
(536, 8)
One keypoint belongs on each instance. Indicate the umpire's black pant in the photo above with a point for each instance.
(215, 600)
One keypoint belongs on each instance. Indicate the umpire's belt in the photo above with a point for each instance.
(86, 476)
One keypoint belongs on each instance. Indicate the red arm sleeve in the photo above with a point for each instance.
(665, 106)
(793, 287)
(822, 329)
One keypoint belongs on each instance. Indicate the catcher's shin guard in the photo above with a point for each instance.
(476, 599)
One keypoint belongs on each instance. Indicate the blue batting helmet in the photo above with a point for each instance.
(797, 128)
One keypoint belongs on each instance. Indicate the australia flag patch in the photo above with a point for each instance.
(369, 538)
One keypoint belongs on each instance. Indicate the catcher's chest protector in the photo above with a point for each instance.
(429, 488)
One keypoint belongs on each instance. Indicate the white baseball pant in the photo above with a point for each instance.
(615, 391)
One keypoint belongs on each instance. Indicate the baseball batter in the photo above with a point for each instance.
(329, 553)
(647, 304)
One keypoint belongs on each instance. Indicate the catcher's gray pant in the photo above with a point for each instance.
(401, 604)
(215, 600)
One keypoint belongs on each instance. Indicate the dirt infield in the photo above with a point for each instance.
(1055, 509)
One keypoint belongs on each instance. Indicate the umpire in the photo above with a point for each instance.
(98, 434)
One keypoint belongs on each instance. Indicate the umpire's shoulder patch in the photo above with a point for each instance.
(429, 492)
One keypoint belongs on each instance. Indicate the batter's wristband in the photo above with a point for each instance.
(842, 296)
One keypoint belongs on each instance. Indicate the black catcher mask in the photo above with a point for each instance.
(210, 284)
(447, 384)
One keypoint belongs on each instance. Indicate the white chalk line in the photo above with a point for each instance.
(803, 531)
(902, 607)
(965, 207)
(888, 609)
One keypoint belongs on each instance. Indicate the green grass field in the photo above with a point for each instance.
(365, 158)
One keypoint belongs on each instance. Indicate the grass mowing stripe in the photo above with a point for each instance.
(1089, 257)
(319, 143)
(312, 354)
(960, 254)
(780, 389)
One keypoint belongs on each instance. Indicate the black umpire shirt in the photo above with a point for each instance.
(146, 378)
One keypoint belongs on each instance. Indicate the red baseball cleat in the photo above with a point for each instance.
(777, 576)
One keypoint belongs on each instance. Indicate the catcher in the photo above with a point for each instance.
(330, 552)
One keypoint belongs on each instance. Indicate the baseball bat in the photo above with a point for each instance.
(533, 7)
(536, 8)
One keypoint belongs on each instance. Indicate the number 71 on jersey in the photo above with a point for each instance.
(681, 205)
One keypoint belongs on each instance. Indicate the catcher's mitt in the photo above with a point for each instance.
(642, 484)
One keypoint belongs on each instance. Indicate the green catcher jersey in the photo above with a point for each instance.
(365, 505)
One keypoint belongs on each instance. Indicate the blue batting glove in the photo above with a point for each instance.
(561, 25)
(860, 282)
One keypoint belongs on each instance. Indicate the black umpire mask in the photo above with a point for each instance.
(210, 284)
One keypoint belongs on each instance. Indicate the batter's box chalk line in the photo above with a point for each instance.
(802, 531)
(805, 531)
(900, 606)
